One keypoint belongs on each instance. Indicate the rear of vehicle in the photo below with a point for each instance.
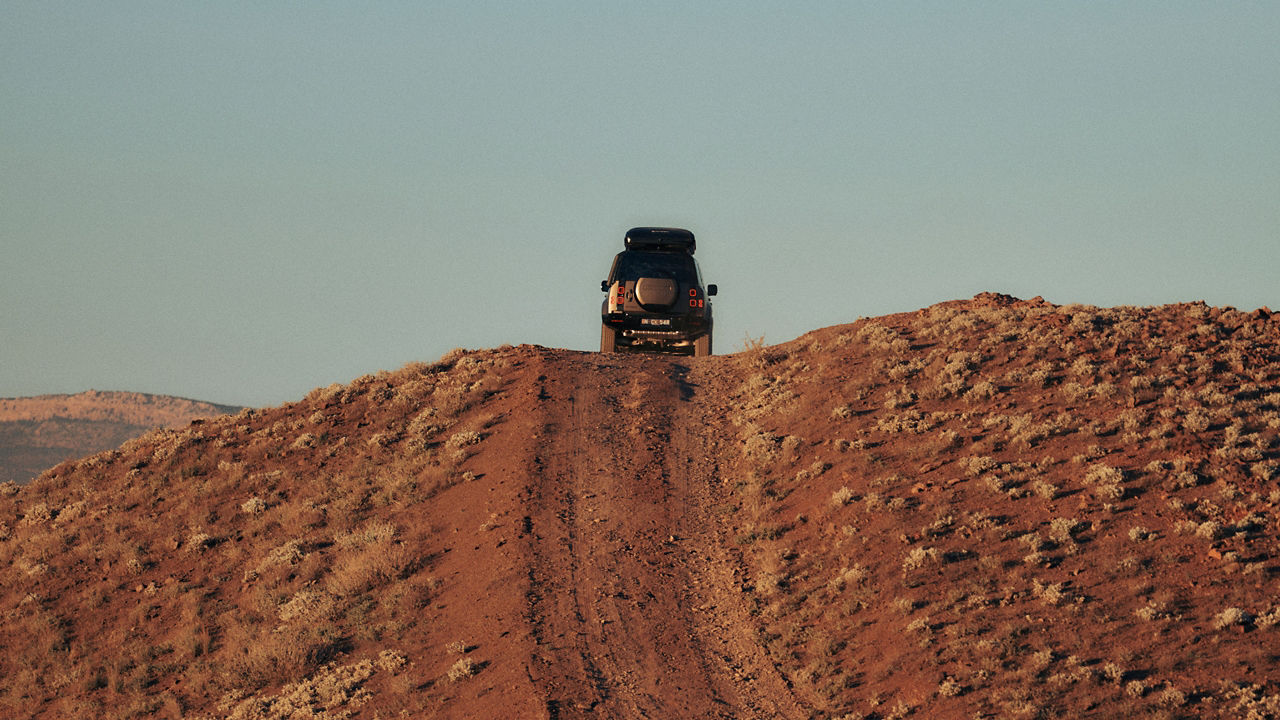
(656, 301)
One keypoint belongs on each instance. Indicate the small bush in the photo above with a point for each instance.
(1172, 697)
(464, 668)
(918, 557)
(841, 497)
(1230, 616)
(1045, 489)
(977, 465)
(1210, 530)
(1062, 530)
(464, 438)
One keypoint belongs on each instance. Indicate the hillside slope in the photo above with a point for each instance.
(988, 508)
(39, 432)
(998, 508)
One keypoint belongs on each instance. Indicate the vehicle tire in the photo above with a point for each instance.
(608, 340)
(702, 346)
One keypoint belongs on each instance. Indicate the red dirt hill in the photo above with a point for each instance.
(39, 432)
(988, 508)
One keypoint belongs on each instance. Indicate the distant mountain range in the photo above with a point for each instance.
(37, 433)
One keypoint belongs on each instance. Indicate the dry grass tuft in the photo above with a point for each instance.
(462, 669)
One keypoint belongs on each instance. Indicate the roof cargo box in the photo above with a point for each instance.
(649, 238)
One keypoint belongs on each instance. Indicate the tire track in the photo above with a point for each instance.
(631, 598)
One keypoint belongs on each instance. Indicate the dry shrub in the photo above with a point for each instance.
(382, 439)
(761, 446)
(288, 554)
(847, 576)
(370, 534)
(367, 556)
(1104, 474)
(1269, 619)
(841, 497)
(311, 606)
(463, 439)
(1045, 489)
(390, 660)
(1230, 616)
(1109, 492)
(1106, 481)
(325, 396)
(1172, 697)
(334, 691)
(1062, 530)
(910, 421)
(286, 654)
(463, 668)
(425, 424)
(37, 514)
(199, 541)
(1051, 593)
(949, 439)
(978, 465)
(984, 390)
(1196, 422)
(770, 582)
(918, 556)
(883, 339)
(900, 398)
(900, 371)
(1210, 530)
(1153, 610)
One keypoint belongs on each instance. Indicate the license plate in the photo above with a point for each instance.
(654, 321)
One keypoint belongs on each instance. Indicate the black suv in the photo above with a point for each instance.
(656, 300)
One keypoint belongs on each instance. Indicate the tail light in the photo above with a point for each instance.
(695, 298)
(617, 297)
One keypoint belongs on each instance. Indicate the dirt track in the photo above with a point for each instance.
(632, 600)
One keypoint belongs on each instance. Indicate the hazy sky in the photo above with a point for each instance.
(240, 201)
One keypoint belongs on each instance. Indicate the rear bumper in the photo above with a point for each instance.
(632, 328)
(665, 325)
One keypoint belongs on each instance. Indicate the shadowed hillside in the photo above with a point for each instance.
(988, 508)
(39, 432)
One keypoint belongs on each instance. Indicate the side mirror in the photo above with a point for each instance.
(712, 289)
(604, 286)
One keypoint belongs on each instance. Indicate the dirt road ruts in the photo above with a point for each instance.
(631, 598)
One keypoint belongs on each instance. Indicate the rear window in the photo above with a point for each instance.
(633, 265)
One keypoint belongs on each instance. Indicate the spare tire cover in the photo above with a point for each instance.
(656, 293)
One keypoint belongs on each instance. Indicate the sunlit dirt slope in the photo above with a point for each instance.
(988, 508)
